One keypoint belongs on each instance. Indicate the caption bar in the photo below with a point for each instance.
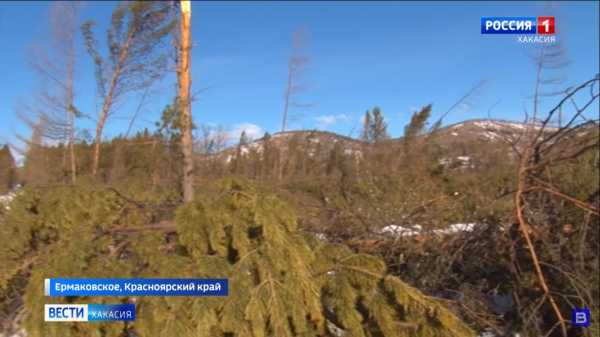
(135, 287)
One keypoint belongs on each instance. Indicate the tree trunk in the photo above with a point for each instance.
(155, 169)
(108, 100)
(184, 102)
(71, 118)
(287, 98)
(98, 138)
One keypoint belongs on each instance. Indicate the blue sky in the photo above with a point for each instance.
(397, 55)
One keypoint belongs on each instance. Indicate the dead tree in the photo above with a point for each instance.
(539, 149)
(135, 59)
(54, 107)
(465, 101)
(549, 60)
(64, 15)
(183, 95)
(296, 68)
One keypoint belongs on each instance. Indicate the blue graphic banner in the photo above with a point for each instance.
(111, 312)
(509, 25)
(135, 287)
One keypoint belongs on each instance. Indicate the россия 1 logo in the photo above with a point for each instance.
(543, 25)
(539, 29)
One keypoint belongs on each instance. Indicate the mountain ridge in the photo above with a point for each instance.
(486, 129)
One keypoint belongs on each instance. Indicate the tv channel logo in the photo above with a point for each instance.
(541, 25)
(580, 317)
(65, 312)
(89, 312)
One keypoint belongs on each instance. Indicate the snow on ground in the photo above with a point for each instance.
(495, 125)
(516, 125)
(487, 124)
(321, 236)
(461, 160)
(490, 135)
(245, 149)
(7, 198)
(411, 230)
(256, 146)
(490, 333)
(396, 230)
(456, 228)
(335, 330)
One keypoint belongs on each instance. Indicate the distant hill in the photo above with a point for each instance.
(452, 137)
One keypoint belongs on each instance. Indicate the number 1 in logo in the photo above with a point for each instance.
(545, 25)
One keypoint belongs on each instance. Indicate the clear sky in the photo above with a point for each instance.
(397, 55)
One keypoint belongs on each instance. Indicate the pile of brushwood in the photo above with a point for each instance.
(282, 281)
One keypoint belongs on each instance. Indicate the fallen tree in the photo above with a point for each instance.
(283, 282)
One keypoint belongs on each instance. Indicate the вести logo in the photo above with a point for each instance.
(89, 312)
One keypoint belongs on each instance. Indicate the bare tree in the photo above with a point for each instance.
(64, 20)
(549, 60)
(539, 148)
(465, 101)
(211, 140)
(183, 94)
(134, 61)
(296, 68)
(543, 147)
(53, 107)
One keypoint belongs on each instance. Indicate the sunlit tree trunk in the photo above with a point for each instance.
(107, 104)
(183, 73)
